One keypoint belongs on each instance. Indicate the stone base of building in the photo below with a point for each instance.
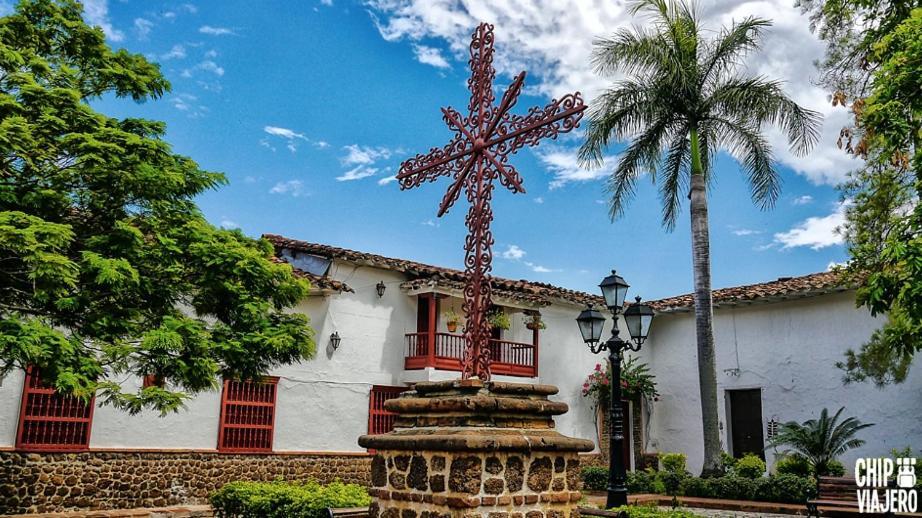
(55, 482)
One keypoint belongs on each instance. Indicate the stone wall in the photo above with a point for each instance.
(641, 460)
(488, 485)
(54, 482)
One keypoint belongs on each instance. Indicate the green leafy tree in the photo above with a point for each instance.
(682, 102)
(821, 441)
(874, 65)
(107, 267)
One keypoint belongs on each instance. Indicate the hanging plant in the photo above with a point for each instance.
(452, 319)
(636, 382)
(499, 320)
(533, 321)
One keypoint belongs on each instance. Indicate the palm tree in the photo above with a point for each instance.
(821, 440)
(683, 100)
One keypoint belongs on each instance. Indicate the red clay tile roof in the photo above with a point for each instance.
(779, 289)
(536, 292)
(543, 293)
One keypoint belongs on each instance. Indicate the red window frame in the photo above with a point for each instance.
(380, 420)
(49, 421)
(247, 423)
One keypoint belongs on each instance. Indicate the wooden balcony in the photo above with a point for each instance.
(508, 358)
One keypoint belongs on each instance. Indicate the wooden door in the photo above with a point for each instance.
(745, 408)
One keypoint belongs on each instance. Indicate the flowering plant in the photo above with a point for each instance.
(636, 381)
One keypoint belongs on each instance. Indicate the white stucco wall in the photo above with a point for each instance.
(788, 350)
(322, 404)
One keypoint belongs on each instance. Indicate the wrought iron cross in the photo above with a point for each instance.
(476, 156)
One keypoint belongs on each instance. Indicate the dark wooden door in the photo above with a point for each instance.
(746, 422)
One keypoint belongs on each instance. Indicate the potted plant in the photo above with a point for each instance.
(452, 318)
(499, 320)
(533, 321)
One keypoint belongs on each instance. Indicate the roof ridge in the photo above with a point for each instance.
(779, 287)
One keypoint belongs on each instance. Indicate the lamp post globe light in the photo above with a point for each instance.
(637, 317)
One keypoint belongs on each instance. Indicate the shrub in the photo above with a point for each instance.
(640, 482)
(673, 462)
(699, 487)
(645, 511)
(727, 462)
(281, 499)
(793, 464)
(732, 488)
(595, 478)
(670, 482)
(750, 466)
(785, 488)
(835, 468)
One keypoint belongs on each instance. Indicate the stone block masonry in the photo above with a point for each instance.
(468, 449)
(55, 482)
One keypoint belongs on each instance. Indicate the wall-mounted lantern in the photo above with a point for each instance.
(335, 340)
(380, 287)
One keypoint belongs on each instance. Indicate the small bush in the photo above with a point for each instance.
(640, 482)
(673, 462)
(285, 499)
(645, 511)
(698, 487)
(595, 478)
(727, 462)
(835, 469)
(790, 489)
(750, 466)
(793, 465)
(732, 488)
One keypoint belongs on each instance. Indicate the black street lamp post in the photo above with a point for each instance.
(638, 317)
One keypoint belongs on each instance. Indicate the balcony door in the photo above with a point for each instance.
(427, 315)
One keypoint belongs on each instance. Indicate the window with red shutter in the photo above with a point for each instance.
(247, 416)
(379, 419)
(49, 421)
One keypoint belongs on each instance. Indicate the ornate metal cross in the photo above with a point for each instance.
(476, 156)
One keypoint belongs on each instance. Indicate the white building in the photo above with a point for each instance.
(777, 344)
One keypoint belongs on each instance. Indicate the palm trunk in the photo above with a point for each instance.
(704, 330)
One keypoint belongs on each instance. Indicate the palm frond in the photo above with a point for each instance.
(762, 101)
(627, 108)
(752, 150)
(731, 44)
(630, 53)
(674, 180)
(821, 440)
(642, 155)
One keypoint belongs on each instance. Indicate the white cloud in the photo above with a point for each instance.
(816, 232)
(228, 224)
(328, 3)
(833, 265)
(206, 66)
(744, 231)
(216, 31)
(387, 179)
(431, 223)
(189, 8)
(96, 12)
(177, 52)
(293, 188)
(802, 200)
(142, 27)
(562, 162)
(357, 173)
(290, 137)
(513, 253)
(539, 200)
(363, 155)
(553, 41)
(430, 56)
(537, 268)
(189, 104)
(283, 132)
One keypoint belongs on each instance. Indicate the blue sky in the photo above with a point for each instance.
(309, 107)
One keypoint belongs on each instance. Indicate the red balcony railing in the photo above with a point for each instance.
(509, 358)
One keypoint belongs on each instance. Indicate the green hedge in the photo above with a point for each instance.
(776, 488)
(285, 499)
(643, 511)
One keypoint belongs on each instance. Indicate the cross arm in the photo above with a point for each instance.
(437, 163)
(559, 116)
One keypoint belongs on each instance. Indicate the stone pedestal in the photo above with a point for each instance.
(469, 449)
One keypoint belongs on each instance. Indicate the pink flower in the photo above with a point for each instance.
(598, 367)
